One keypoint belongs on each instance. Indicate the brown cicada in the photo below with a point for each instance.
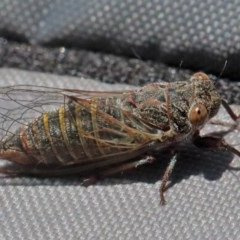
(54, 132)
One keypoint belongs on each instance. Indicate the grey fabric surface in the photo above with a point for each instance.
(202, 35)
(203, 203)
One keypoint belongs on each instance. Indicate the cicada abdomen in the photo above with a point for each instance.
(75, 132)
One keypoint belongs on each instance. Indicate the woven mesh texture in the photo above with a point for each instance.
(203, 202)
(201, 35)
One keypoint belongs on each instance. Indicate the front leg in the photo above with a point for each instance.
(213, 143)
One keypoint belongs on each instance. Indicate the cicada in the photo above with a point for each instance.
(55, 132)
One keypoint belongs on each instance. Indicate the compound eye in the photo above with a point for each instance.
(198, 114)
(200, 76)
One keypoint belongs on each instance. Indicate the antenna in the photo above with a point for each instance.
(223, 69)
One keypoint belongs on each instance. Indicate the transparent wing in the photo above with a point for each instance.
(21, 104)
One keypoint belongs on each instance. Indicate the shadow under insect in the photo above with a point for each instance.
(190, 161)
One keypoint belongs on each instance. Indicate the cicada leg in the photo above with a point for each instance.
(230, 111)
(118, 169)
(8, 172)
(165, 179)
(17, 170)
(214, 143)
(217, 142)
(128, 166)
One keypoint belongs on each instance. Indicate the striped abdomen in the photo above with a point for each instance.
(74, 133)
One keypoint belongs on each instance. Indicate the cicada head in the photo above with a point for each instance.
(206, 101)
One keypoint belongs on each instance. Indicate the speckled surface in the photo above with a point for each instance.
(202, 35)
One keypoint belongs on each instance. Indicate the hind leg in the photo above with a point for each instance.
(8, 171)
(117, 169)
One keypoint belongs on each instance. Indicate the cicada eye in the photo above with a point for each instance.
(200, 76)
(198, 114)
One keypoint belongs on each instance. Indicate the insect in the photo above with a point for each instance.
(55, 132)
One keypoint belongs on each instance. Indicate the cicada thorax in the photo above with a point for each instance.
(165, 106)
(77, 132)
